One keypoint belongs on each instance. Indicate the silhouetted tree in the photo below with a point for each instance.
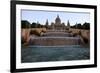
(79, 26)
(86, 25)
(36, 25)
(33, 25)
(25, 24)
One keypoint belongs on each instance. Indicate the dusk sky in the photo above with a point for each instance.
(42, 16)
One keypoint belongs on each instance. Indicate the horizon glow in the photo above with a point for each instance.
(42, 16)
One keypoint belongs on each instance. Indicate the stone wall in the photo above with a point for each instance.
(85, 34)
(25, 34)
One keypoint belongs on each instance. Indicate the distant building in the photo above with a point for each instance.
(57, 25)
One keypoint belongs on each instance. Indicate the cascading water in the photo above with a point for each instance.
(55, 39)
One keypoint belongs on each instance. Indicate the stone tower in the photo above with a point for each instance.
(47, 23)
(68, 24)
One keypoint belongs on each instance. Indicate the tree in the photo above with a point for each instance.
(79, 26)
(33, 25)
(86, 25)
(25, 24)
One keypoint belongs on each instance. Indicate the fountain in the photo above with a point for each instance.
(57, 38)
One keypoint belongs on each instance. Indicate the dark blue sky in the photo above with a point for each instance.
(42, 16)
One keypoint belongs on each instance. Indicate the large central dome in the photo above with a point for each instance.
(57, 20)
(58, 25)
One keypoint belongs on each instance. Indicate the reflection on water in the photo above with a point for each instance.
(61, 53)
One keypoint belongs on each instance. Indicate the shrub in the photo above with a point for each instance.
(35, 32)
